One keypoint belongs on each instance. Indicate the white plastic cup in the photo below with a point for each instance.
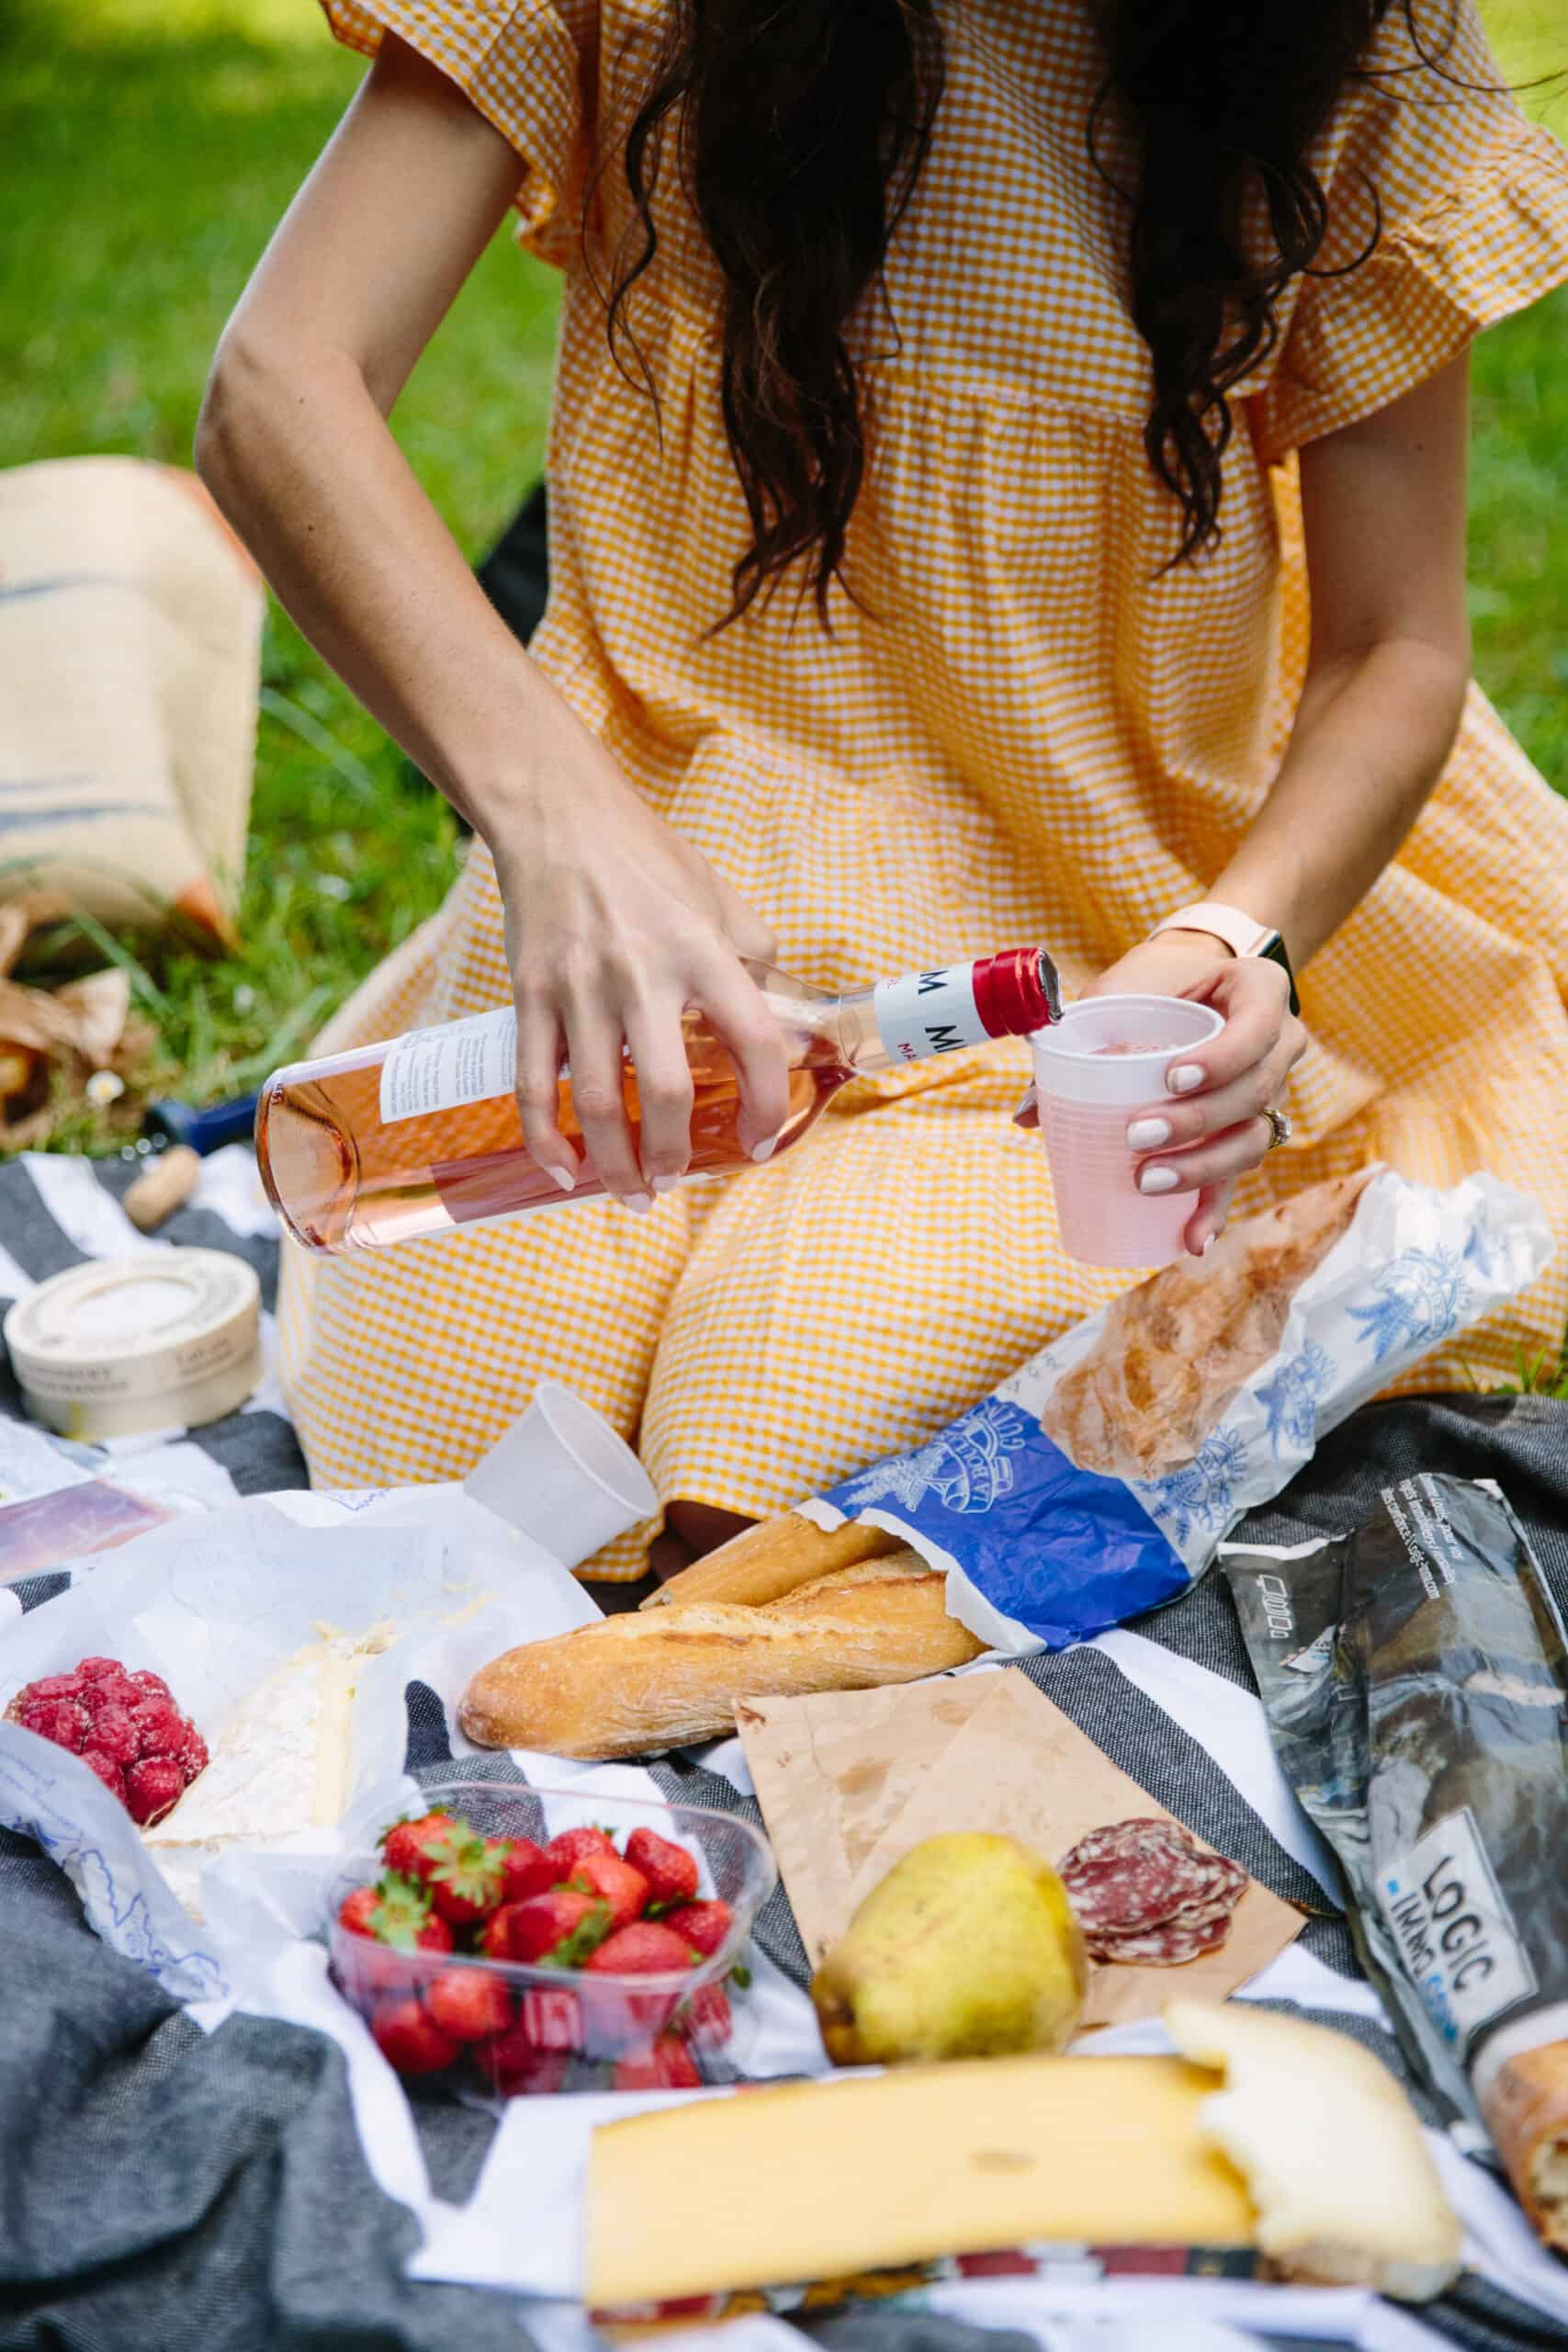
(562, 1476)
(1094, 1069)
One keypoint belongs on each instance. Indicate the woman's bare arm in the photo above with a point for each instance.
(614, 923)
(1384, 504)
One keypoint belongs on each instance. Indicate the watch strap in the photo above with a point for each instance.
(1241, 933)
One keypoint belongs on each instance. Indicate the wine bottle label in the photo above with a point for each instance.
(440, 1069)
(928, 1012)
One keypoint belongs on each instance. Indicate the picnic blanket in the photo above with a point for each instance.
(177, 2187)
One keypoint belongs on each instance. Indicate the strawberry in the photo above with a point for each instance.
(404, 1917)
(647, 1947)
(707, 2023)
(114, 1733)
(151, 1785)
(527, 1871)
(463, 1872)
(469, 2004)
(671, 1871)
(552, 2020)
(704, 1926)
(567, 1849)
(108, 1770)
(396, 1918)
(511, 2064)
(495, 1936)
(561, 1927)
(408, 2039)
(357, 1912)
(61, 1721)
(403, 1844)
(665, 2066)
(623, 1888)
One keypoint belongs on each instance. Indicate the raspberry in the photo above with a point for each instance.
(108, 1770)
(160, 1726)
(116, 1689)
(191, 1753)
(152, 1786)
(115, 1733)
(153, 1684)
(64, 1720)
(52, 1686)
(93, 1669)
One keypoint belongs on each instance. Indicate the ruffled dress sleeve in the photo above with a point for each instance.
(530, 67)
(1471, 216)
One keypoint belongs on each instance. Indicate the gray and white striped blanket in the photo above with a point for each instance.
(1169, 1698)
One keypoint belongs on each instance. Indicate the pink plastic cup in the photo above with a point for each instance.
(1094, 1069)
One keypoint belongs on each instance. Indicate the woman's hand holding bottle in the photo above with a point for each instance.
(615, 926)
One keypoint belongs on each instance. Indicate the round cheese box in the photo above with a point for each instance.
(167, 1339)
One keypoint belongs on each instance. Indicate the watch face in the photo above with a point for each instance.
(1272, 948)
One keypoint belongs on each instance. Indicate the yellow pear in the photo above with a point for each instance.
(967, 1949)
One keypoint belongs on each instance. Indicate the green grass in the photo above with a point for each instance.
(151, 145)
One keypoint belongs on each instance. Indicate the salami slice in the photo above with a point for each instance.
(1145, 1893)
(1169, 1946)
(1116, 1894)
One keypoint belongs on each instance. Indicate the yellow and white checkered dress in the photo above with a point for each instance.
(1029, 730)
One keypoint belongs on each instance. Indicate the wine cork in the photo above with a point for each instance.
(164, 1187)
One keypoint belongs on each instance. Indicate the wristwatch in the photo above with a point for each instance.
(1241, 934)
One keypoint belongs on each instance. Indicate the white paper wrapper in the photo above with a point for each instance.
(1039, 1551)
(214, 1604)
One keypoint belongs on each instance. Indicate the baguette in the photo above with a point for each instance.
(1525, 2108)
(773, 1558)
(635, 1684)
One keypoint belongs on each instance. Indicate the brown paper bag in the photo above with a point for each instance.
(849, 1782)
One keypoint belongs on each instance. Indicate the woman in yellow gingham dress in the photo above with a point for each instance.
(1028, 724)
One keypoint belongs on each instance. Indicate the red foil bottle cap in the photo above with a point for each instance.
(1016, 992)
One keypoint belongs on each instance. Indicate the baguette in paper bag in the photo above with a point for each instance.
(1099, 1479)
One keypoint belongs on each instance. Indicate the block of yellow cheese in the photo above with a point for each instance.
(823, 2179)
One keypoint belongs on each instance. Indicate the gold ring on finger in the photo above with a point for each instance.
(1279, 1128)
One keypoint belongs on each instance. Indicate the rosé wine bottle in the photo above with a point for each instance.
(422, 1135)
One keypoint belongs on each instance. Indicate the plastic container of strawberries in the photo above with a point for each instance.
(565, 2028)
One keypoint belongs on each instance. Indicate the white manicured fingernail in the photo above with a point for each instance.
(664, 1183)
(764, 1150)
(568, 1184)
(1186, 1079)
(1206, 1245)
(639, 1203)
(1159, 1180)
(1147, 1135)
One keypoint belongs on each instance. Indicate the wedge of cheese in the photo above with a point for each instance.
(278, 1765)
(824, 2179)
(1266, 2133)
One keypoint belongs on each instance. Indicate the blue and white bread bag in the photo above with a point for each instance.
(1100, 1478)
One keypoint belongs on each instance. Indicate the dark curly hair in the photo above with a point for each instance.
(800, 127)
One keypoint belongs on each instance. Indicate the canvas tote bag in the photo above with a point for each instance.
(130, 622)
